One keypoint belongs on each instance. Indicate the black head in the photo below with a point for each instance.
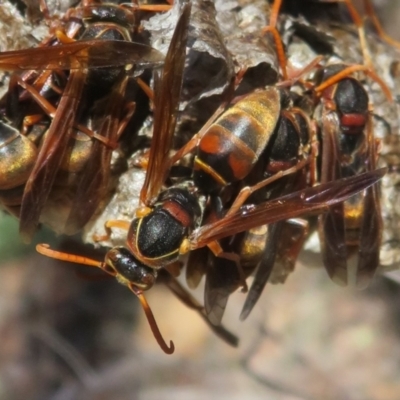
(129, 269)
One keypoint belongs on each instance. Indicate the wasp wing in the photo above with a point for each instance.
(316, 199)
(82, 54)
(166, 101)
(264, 269)
(42, 177)
(93, 184)
(196, 266)
(274, 239)
(371, 227)
(222, 280)
(332, 223)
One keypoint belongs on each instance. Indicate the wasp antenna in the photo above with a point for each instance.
(45, 250)
(385, 89)
(152, 322)
(355, 68)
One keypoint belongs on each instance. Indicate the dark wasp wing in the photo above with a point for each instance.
(42, 177)
(196, 266)
(274, 238)
(222, 280)
(264, 269)
(316, 199)
(93, 184)
(166, 101)
(82, 54)
(372, 224)
(331, 225)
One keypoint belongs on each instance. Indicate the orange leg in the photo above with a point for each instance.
(152, 321)
(361, 32)
(40, 81)
(115, 223)
(63, 38)
(370, 12)
(170, 2)
(358, 21)
(30, 120)
(147, 7)
(50, 110)
(129, 111)
(112, 223)
(271, 28)
(247, 191)
(296, 77)
(155, 7)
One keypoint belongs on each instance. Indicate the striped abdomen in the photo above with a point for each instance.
(234, 142)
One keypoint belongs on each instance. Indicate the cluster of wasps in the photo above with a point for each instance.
(303, 147)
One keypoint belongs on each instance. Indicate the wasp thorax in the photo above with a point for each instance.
(108, 13)
(129, 269)
(157, 237)
(159, 234)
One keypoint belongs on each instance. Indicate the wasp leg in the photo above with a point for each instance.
(247, 191)
(369, 10)
(112, 223)
(271, 28)
(63, 38)
(129, 111)
(50, 110)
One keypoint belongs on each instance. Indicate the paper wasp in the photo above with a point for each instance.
(94, 54)
(349, 148)
(170, 224)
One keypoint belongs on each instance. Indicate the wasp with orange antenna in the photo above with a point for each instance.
(170, 223)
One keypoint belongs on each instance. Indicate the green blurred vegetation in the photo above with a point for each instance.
(11, 244)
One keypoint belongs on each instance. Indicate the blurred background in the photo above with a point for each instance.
(63, 337)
